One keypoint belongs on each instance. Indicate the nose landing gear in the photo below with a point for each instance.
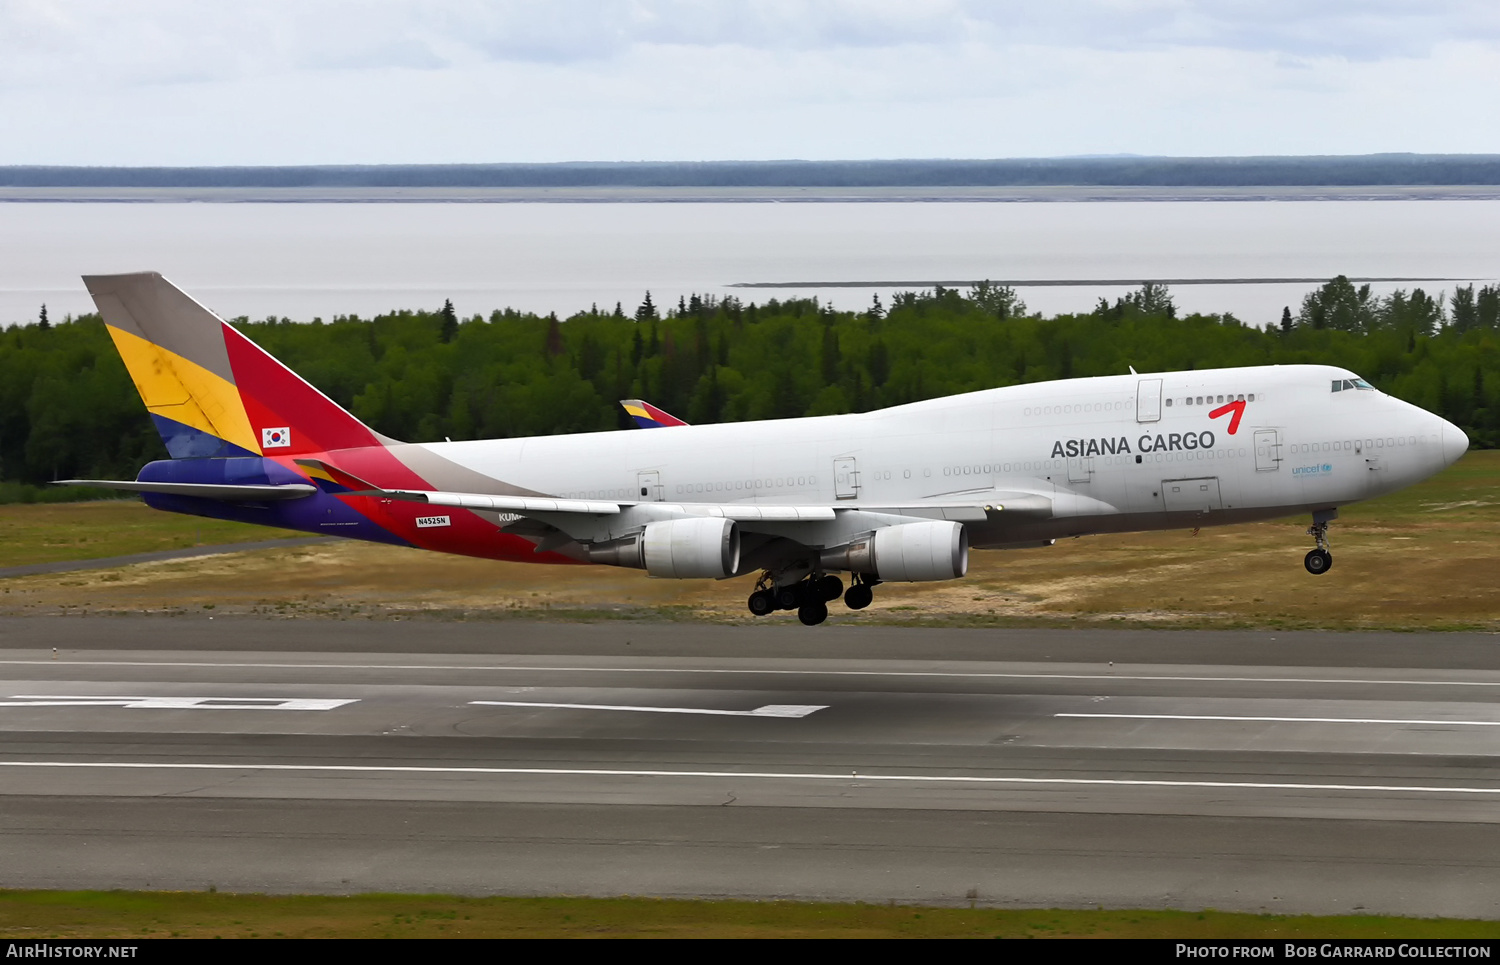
(1320, 560)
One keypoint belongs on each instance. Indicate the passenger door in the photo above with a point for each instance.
(1267, 450)
(845, 478)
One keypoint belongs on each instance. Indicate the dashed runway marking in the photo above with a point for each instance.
(179, 703)
(769, 710)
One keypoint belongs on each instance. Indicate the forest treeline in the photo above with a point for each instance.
(68, 408)
(1354, 170)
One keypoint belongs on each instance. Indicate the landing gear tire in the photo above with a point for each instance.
(788, 597)
(1318, 562)
(812, 613)
(762, 602)
(831, 588)
(859, 596)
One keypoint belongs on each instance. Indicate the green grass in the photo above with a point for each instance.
(50, 532)
(130, 914)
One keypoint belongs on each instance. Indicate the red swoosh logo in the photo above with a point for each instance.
(1238, 408)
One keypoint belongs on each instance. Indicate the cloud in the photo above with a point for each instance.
(172, 81)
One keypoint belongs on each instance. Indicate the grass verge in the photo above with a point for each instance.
(123, 914)
(53, 532)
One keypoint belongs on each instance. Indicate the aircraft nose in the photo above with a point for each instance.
(1455, 443)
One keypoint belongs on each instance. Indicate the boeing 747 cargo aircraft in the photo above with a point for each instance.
(894, 495)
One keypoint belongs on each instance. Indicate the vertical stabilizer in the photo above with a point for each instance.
(209, 389)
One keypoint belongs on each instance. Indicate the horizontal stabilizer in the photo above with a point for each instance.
(334, 479)
(226, 492)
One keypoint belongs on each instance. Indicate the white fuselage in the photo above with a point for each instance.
(1116, 453)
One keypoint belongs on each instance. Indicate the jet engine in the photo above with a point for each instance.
(701, 547)
(906, 553)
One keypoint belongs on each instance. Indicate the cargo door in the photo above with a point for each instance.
(1191, 495)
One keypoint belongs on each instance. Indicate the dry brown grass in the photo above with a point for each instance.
(1424, 558)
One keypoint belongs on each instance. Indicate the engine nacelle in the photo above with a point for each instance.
(906, 553)
(703, 547)
(700, 548)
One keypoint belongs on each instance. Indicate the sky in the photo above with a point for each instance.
(165, 82)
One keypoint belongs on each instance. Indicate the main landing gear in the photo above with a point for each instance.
(861, 593)
(1320, 560)
(810, 596)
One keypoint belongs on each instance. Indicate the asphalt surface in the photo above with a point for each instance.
(1249, 771)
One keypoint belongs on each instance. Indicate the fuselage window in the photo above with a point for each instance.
(1252, 396)
(1169, 403)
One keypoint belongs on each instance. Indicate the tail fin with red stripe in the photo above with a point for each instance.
(210, 390)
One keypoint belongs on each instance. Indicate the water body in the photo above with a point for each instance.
(302, 260)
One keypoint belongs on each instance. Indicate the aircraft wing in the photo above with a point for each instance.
(1011, 503)
(351, 485)
(551, 510)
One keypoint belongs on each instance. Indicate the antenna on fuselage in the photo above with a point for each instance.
(1132, 370)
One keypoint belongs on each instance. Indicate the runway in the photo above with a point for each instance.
(1286, 772)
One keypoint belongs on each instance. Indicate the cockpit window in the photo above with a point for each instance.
(1340, 385)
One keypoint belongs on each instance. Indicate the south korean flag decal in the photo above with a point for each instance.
(279, 438)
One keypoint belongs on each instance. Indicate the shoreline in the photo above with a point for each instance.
(742, 195)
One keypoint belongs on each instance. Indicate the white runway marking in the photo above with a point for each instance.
(178, 703)
(957, 674)
(769, 710)
(753, 775)
(1288, 720)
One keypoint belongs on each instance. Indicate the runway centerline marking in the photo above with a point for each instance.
(1288, 720)
(853, 776)
(179, 703)
(958, 674)
(769, 710)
